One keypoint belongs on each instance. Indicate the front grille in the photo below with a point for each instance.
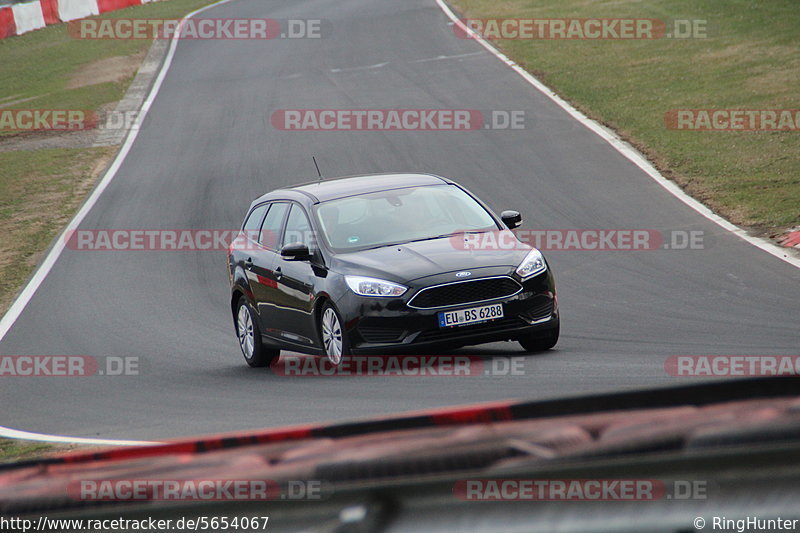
(377, 334)
(464, 292)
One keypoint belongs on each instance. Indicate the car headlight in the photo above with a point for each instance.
(532, 264)
(374, 287)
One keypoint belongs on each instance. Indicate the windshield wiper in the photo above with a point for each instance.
(442, 236)
(397, 243)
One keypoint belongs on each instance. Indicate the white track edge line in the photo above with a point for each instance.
(625, 148)
(8, 433)
(38, 277)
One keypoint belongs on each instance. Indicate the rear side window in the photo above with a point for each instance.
(271, 228)
(253, 222)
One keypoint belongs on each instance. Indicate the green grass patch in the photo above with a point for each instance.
(748, 61)
(16, 450)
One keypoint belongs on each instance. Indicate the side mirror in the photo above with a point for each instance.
(296, 251)
(512, 219)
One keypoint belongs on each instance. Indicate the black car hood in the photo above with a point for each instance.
(414, 260)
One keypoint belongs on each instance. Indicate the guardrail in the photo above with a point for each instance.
(18, 17)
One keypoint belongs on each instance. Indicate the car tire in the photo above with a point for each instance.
(254, 352)
(335, 345)
(536, 342)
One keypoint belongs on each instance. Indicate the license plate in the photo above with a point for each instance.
(473, 315)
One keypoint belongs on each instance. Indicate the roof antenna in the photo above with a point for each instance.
(316, 165)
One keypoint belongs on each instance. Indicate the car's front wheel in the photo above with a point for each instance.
(334, 339)
(538, 342)
(253, 350)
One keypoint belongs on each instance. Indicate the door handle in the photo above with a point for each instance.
(278, 273)
(248, 264)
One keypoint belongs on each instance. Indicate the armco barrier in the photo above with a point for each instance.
(20, 18)
(50, 11)
(77, 9)
(28, 17)
(7, 25)
(113, 5)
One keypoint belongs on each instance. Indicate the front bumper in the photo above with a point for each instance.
(379, 325)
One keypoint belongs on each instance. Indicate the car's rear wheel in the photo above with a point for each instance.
(539, 342)
(253, 350)
(334, 339)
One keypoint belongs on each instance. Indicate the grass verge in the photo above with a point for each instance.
(17, 450)
(12, 450)
(748, 60)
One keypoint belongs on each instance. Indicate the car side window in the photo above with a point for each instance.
(253, 222)
(272, 225)
(298, 229)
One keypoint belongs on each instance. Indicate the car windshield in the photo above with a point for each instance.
(400, 215)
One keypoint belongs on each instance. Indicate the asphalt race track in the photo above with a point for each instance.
(208, 148)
